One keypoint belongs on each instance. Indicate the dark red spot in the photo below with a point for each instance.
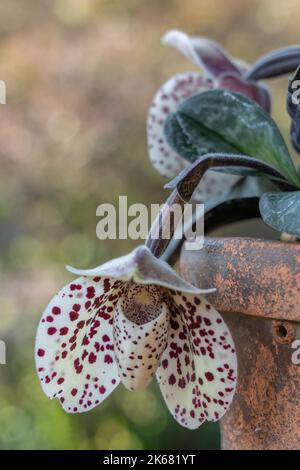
(172, 379)
(73, 316)
(78, 366)
(209, 376)
(181, 383)
(92, 358)
(90, 292)
(108, 359)
(41, 353)
(56, 310)
(51, 331)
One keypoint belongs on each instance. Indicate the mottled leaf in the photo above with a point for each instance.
(227, 122)
(282, 211)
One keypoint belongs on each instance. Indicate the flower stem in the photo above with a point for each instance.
(189, 178)
(157, 240)
(185, 184)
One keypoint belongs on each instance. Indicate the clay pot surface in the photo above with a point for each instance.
(258, 293)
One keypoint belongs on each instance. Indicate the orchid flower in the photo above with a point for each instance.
(221, 71)
(130, 319)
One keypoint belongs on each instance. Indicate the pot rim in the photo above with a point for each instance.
(252, 276)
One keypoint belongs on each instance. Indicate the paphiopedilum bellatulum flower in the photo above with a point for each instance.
(128, 320)
(220, 71)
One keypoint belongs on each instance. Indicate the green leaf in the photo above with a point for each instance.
(224, 121)
(180, 140)
(281, 211)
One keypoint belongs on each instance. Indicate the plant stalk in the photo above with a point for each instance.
(189, 178)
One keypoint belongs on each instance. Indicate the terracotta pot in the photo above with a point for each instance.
(258, 293)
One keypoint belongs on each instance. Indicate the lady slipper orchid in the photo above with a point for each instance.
(221, 71)
(128, 320)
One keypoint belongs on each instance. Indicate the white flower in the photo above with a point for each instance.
(220, 71)
(128, 320)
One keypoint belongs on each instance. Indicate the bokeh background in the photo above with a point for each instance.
(80, 76)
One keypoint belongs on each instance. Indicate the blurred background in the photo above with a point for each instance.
(80, 77)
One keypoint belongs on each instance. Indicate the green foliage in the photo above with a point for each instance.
(221, 121)
(282, 211)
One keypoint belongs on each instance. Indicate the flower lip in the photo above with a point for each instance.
(139, 344)
(142, 267)
(142, 303)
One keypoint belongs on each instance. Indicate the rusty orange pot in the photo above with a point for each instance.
(258, 292)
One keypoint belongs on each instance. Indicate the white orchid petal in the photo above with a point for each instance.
(166, 101)
(197, 375)
(141, 326)
(74, 344)
(202, 51)
(182, 42)
(142, 267)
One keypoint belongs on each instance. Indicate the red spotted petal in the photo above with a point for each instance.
(141, 326)
(202, 51)
(166, 101)
(197, 375)
(74, 344)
